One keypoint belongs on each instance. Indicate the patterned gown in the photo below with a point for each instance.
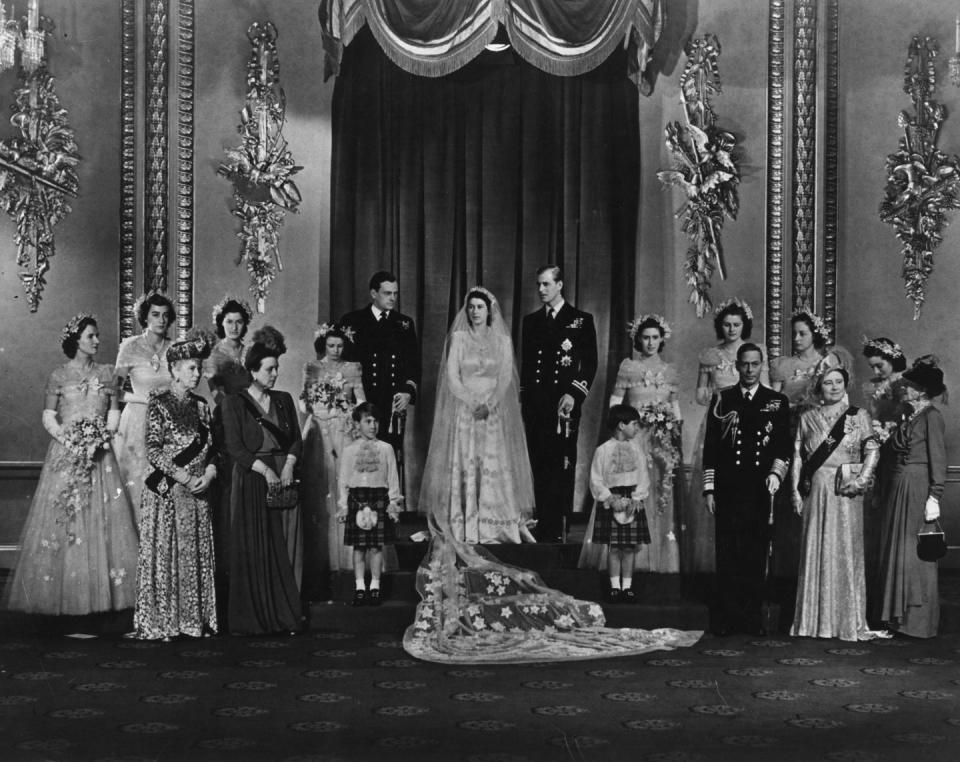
(831, 586)
(326, 431)
(649, 384)
(85, 563)
(175, 588)
(147, 371)
(719, 364)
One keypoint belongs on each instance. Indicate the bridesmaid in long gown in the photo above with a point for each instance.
(832, 589)
(141, 360)
(175, 586)
(733, 325)
(331, 388)
(650, 385)
(910, 599)
(79, 548)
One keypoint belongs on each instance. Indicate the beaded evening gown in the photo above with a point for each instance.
(175, 587)
(147, 371)
(329, 393)
(650, 385)
(79, 548)
(831, 585)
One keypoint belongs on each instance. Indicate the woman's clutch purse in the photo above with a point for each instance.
(847, 473)
(283, 498)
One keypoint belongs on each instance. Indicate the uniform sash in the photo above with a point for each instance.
(824, 451)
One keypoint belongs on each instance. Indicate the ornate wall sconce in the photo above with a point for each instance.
(37, 167)
(261, 167)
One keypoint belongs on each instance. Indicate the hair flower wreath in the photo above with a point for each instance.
(72, 328)
(734, 301)
(219, 307)
(816, 321)
(324, 328)
(664, 326)
(883, 346)
(143, 297)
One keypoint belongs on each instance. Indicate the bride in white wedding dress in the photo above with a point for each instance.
(477, 489)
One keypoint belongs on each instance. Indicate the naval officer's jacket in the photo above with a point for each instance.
(559, 356)
(388, 353)
(745, 441)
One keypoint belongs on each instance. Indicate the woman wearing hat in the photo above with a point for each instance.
(175, 593)
(909, 600)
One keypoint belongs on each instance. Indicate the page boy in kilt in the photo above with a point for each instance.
(746, 452)
(619, 482)
(369, 501)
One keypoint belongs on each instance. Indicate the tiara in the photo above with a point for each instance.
(143, 297)
(485, 292)
(658, 319)
(818, 325)
(244, 307)
(883, 346)
(324, 328)
(72, 328)
(734, 301)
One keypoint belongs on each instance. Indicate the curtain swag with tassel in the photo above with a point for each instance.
(436, 37)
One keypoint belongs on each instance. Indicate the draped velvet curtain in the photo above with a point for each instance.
(480, 177)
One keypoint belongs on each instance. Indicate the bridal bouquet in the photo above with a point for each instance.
(326, 396)
(83, 440)
(664, 427)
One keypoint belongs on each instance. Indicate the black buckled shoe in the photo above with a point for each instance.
(374, 596)
(359, 597)
(613, 595)
(628, 596)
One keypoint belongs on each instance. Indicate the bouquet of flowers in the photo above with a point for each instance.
(664, 426)
(83, 440)
(326, 396)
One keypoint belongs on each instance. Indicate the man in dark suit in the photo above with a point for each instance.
(746, 454)
(384, 342)
(558, 363)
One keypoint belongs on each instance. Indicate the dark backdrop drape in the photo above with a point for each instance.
(480, 177)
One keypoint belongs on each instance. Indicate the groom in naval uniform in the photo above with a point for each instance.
(746, 454)
(558, 363)
(385, 344)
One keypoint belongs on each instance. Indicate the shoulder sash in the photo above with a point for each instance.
(824, 451)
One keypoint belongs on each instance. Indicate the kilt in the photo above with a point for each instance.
(384, 533)
(606, 531)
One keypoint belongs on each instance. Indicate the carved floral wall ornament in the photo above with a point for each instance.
(922, 181)
(705, 168)
(261, 167)
(38, 166)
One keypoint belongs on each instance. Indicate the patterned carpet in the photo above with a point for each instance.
(337, 696)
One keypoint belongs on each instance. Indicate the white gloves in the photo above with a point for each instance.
(931, 511)
(51, 424)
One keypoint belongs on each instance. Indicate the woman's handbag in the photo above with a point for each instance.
(846, 473)
(283, 498)
(931, 542)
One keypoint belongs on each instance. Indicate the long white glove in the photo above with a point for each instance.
(52, 426)
(931, 511)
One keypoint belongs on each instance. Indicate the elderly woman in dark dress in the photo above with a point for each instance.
(262, 435)
(909, 601)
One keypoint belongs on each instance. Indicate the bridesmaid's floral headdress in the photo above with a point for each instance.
(143, 297)
(219, 307)
(819, 327)
(883, 346)
(325, 328)
(664, 326)
(734, 301)
(72, 328)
